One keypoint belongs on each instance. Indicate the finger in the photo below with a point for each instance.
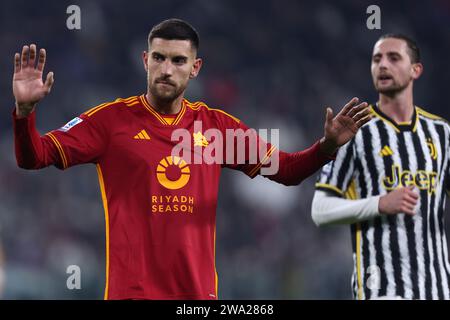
(32, 55)
(409, 211)
(407, 207)
(25, 51)
(349, 106)
(16, 62)
(49, 82)
(410, 200)
(329, 116)
(364, 120)
(361, 114)
(41, 61)
(360, 107)
(412, 194)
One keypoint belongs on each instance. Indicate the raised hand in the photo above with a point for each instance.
(344, 126)
(28, 87)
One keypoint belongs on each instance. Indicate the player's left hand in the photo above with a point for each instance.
(341, 128)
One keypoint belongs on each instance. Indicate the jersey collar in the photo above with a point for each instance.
(159, 116)
(400, 126)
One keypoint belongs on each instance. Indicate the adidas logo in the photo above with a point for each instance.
(386, 151)
(142, 135)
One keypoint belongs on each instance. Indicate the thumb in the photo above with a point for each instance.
(49, 82)
(329, 115)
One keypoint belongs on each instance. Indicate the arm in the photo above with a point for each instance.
(338, 130)
(328, 209)
(297, 166)
(32, 150)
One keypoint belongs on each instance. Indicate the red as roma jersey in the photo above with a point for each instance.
(160, 208)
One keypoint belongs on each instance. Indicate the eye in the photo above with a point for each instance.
(394, 58)
(179, 60)
(158, 57)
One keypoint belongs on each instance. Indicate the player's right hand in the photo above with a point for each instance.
(28, 87)
(401, 200)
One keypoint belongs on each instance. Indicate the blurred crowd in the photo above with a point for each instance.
(272, 63)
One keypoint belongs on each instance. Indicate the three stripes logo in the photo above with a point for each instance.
(386, 151)
(142, 135)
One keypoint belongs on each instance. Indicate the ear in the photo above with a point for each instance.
(417, 70)
(196, 68)
(145, 59)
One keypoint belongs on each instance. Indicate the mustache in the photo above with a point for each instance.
(166, 81)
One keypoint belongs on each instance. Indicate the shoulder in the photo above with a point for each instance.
(109, 107)
(429, 116)
(219, 114)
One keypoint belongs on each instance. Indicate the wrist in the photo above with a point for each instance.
(328, 147)
(381, 206)
(24, 110)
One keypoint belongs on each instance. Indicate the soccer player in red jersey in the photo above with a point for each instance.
(159, 206)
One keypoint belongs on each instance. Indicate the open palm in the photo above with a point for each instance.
(343, 127)
(28, 86)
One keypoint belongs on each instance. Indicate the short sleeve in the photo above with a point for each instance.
(81, 140)
(336, 175)
(245, 150)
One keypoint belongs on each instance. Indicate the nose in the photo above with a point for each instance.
(382, 64)
(167, 68)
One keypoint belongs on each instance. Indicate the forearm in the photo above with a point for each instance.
(32, 151)
(297, 166)
(328, 210)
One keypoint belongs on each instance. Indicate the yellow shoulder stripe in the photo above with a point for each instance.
(131, 101)
(428, 115)
(195, 106)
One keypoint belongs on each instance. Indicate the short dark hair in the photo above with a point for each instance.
(414, 52)
(175, 29)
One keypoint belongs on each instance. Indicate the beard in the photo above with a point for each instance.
(391, 90)
(165, 93)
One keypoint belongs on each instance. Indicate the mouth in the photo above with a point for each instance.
(167, 83)
(384, 77)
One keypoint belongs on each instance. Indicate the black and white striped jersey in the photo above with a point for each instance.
(397, 255)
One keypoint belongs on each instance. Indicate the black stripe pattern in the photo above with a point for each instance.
(397, 255)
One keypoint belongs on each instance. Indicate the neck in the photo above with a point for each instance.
(399, 107)
(165, 107)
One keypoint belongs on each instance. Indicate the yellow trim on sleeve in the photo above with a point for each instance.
(262, 162)
(60, 149)
(331, 187)
(105, 207)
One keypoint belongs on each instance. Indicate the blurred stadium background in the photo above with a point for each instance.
(272, 63)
